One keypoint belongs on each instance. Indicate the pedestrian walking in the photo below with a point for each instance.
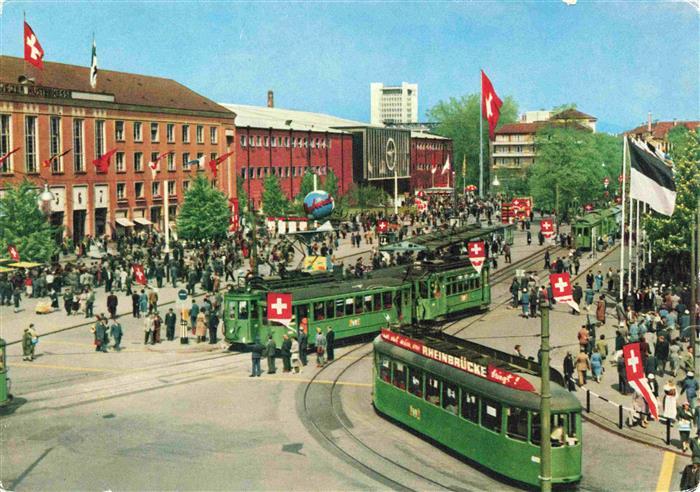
(296, 362)
(525, 303)
(330, 344)
(303, 341)
(600, 310)
(669, 402)
(116, 332)
(170, 321)
(684, 416)
(201, 327)
(689, 386)
(583, 364)
(286, 352)
(135, 305)
(112, 303)
(320, 348)
(147, 329)
(213, 326)
(569, 371)
(596, 365)
(29, 342)
(256, 351)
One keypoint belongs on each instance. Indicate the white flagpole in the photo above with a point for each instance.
(630, 228)
(481, 137)
(622, 222)
(636, 250)
(166, 205)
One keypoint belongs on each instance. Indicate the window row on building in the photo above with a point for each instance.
(430, 146)
(55, 160)
(294, 142)
(156, 189)
(282, 171)
(137, 131)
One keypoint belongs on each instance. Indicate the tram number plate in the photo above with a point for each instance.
(414, 412)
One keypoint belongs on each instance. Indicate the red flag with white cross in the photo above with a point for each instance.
(14, 254)
(561, 289)
(382, 226)
(33, 52)
(636, 376)
(279, 307)
(547, 228)
(477, 254)
(139, 274)
(490, 104)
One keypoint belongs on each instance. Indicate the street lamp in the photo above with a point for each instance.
(495, 181)
(45, 197)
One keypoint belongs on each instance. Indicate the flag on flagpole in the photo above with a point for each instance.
(3, 158)
(214, 163)
(153, 165)
(651, 179)
(33, 52)
(102, 163)
(93, 66)
(14, 254)
(490, 103)
(47, 162)
(446, 167)
(433, 170)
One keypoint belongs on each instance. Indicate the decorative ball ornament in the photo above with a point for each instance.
(318, 204)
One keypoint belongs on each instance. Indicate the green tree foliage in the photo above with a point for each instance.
(306, 187)
(458, 119)
(241, 192)
(274, 200)
(575, 163)
(563, 107)
(24, 225)
(205, 213)
(330, 184)
(366, 196)
(670, 236)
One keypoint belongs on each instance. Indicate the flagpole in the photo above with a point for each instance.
(622, 222)
(166, 204)
(481, 138)
(636, 250)
(630, 228)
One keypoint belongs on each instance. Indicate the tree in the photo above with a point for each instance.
(306, 187)
(241, 192)
(274, 200)
(366, 196)
(330, 184)
(563, 107)
(670, 236)
(205, 213)
(458, 119)
(572, 164)
(24, 225)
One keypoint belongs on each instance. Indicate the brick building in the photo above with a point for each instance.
(656, 132)
(286, 143)
(140, 116)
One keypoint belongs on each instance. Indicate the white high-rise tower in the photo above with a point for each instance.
(393, 104)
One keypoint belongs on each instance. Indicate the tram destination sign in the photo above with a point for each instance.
(490, 372)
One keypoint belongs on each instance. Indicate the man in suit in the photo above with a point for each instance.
(170, 321)
(213, 325)
(270, 350)
(303, 341)
(256, 351)
(330, 343)
(112, 302)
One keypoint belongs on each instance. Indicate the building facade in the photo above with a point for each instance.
(393, 104)
(141, 117)
(656, 132)
(513, 151)
(430, 152)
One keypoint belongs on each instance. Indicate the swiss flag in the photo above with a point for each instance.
(279, 307)
(490, 104)
(139, 274)
(14, 254)
(547, 228)
(636, 377)
(102, 163)
(33, 52)
(154, 163)
(382, 226)
(561, 288)
(477, 254)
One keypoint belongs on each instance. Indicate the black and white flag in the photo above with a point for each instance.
(651, 180)
(93, 66)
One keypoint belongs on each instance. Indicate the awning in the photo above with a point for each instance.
(6, 269)
(24, 264)
(123, 221)
(142, 221)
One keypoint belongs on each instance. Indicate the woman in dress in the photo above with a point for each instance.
(201, 329)
(670, 402)
(596, 365)
(685, 422)
(296, 363)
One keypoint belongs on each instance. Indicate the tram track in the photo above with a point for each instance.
(323, 421)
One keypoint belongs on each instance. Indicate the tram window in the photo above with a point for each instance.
(470, 407)
(423, 289)
(517, 423)
(330, 309)
(232, 310)
(415, 382)
(450, 288)
(242, 310)
(358, 305)
(477, 283)
(384, 368)
(349, 305)
(449, 397)
(558, 428)
(572, 424)
(432, 390)
(377, 302)
(368, 303)
(397, 299)
(303, 312)
(319, 309)
(399, 375)
(254, 310)
(386, 300)
(264, 316)
(339, 308)
(491, 415)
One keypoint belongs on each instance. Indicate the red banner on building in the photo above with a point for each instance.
(490, 372)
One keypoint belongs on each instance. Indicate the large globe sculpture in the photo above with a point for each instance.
(318, 204)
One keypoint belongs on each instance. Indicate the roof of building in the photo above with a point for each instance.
(127, 88)
(286, 119)
(659, 129)
(534, 127)
(573, 114)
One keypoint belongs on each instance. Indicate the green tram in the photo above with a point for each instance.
(449, 239)
(425, 292)
(591, 227)
(476, 401)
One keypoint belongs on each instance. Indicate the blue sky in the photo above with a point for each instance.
(616, 59)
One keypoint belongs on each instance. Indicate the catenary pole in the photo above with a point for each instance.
(481, 140)
(545, 405)
(622, 222)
